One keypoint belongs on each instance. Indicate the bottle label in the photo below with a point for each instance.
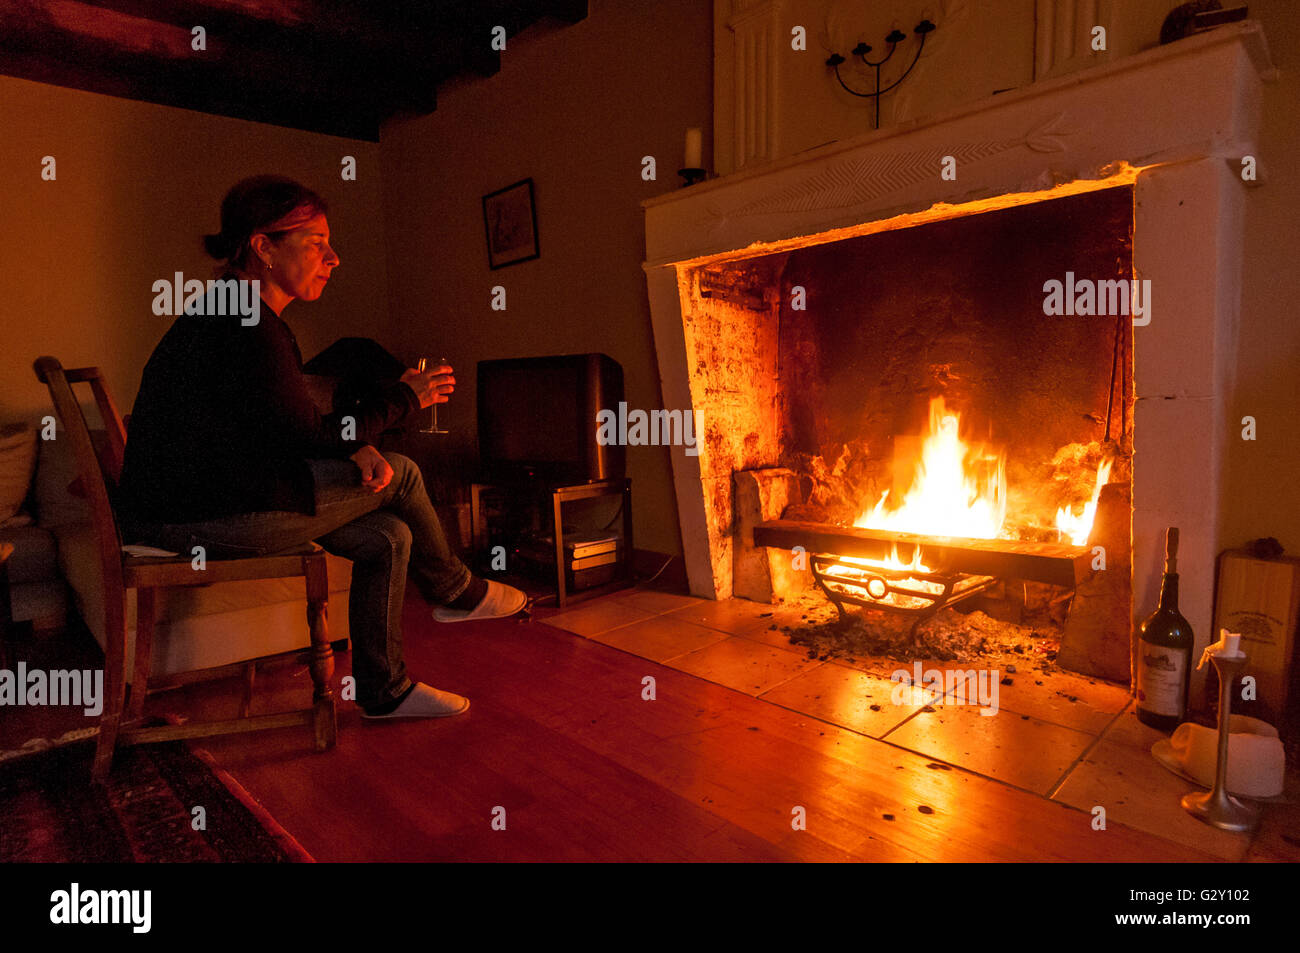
(1162, 676)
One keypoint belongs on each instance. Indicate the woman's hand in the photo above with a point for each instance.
(432, 385)
(375, 470)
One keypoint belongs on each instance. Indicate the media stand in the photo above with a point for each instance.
(554, 498)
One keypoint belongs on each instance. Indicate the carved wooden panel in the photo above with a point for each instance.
(1063, 35)
(749, 126)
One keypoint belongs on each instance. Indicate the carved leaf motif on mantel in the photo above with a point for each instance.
(1046, 138)
(856, 181)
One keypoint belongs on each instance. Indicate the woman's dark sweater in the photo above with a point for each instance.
(223, 423)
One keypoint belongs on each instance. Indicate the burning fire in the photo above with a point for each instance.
(862, 573)
(958, 489)
(893, 562)
(1077, 528)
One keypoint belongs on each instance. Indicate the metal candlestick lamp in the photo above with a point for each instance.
(1217, 807)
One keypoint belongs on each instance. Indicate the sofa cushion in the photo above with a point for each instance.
(56, 468)
(35, 557)
(43, 603)
(17, 462)
(21, 518)
(231, 596)
(207, 641)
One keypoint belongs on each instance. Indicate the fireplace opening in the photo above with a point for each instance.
(931, 461)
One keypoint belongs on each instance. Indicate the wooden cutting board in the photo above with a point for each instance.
(1260, 598)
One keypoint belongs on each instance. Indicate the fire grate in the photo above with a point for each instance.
(962, 567)
(848, 580)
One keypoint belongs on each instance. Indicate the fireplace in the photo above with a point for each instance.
(813, 309)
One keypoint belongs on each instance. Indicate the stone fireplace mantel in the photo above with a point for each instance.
(1174, 122)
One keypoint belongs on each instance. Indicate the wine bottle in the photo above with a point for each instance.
(1164, 664)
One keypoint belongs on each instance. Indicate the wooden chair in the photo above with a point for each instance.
(119, 724)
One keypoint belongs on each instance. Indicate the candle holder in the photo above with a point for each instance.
(692, 176)
(1217, 807)
(862, 49)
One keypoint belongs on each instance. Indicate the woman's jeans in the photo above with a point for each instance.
(381, 533)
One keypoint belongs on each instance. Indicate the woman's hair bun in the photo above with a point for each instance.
(218, 246)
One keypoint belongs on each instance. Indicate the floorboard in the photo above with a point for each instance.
(587, 770)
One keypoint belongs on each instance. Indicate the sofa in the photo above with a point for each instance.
(37, 591)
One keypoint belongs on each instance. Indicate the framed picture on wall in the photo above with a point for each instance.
(511, 222)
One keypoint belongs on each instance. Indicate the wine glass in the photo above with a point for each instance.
(433, 428)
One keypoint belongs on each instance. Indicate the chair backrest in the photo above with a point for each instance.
(96, 473)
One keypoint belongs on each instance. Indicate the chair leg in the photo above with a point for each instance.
(322, 653)
(145, 603)
(115, 698)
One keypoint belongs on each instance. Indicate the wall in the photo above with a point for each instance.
(137, 186)
(760, 75)
(575, 109)
(980, 48)
(1261, 497)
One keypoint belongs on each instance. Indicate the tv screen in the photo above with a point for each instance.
(533, 413)
(537, 417)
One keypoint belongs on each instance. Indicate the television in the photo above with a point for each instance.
(537, 419)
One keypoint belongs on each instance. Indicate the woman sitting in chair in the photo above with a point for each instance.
(227, 451)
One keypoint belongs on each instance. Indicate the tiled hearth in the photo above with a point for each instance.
(1071, 739)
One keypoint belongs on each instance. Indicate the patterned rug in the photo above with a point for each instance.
(145, 813)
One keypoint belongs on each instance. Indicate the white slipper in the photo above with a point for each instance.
(500, 602)
(425, 701)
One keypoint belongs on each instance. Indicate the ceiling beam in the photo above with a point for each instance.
(325, 65)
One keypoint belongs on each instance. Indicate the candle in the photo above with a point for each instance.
(1231, 642)
(694, 148)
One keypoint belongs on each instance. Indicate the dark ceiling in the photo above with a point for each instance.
(328, 66)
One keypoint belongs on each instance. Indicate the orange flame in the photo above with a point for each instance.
(893, 562)
(957, 490)
(1079, 527)
(861, 574)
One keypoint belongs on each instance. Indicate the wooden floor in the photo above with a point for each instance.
(586, 770)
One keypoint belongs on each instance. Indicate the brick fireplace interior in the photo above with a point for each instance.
(955, 309)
